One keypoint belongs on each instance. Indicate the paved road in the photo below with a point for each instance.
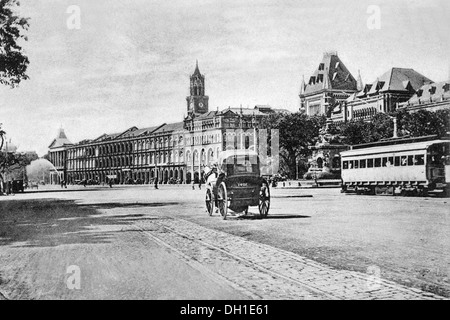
(135, 242)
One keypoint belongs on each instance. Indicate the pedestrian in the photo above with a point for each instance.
(110, 183)
(193, 185)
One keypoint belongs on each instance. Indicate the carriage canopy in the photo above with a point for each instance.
(235, 162)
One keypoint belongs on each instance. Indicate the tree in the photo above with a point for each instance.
(297, 132)
(13, 62)
(424, 123)
(359, 131)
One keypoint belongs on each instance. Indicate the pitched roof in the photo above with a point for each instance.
(60, 141)
(169, 127)
(331, 74)
(135, 132)
(431, 93)
(398, 79)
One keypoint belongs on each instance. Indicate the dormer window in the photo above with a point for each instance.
(419, 92)
(380, 85)
(320, 78)
(321, 66)
(432, 90)
(337, 65)
(334, 76)
(312, 80)
(446, 87)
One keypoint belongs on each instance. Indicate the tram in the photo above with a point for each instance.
(412, 166)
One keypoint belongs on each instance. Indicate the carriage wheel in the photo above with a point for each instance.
(209, 202)
(264, 200)
(222, 200)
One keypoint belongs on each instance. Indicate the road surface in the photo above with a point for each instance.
(134, 242)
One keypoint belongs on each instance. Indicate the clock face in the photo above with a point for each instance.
(200, 105)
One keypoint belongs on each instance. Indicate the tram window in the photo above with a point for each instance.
(369, 163)
(350, 164)
(362, 164)
(404, 161)
(384, 162)
(390, 162)
(397, 161)
(419, 160)
(447, 160)
(410, 160)
(377, 162)
(356, 164)
(345, 165)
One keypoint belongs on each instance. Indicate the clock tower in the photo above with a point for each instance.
(197, 102)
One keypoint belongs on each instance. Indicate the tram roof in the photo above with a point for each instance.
(393, 147)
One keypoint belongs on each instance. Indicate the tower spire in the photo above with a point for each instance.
(197, 70)
(303, 85)
(326, 81)
(360, 84)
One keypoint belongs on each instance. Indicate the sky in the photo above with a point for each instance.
(130, 61)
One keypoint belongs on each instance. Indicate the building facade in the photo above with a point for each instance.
(333, 92)
(430, 97)
(58, 156)
(394, 87)
(330, 84)
(169, 153)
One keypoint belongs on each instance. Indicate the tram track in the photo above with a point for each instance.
(267, 272)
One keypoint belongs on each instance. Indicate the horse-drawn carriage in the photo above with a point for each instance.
(237, 184)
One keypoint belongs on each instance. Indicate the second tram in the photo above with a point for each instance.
(416, 166)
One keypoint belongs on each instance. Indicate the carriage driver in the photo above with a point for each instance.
(211, 174)
(213, 179)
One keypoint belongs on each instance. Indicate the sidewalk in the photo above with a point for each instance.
(307, 184)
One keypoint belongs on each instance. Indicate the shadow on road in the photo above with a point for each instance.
(277, 216)
(52, 222)
(113, 205)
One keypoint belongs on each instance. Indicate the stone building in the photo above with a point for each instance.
(330, 84)
(168, 152)
(332, 91)
(58, 156)
(394, 87)
(430, 97)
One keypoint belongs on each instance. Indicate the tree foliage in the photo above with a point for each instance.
(417, 124)
(424, 123)
(360, 131)
(297, 132)
(13, 62)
